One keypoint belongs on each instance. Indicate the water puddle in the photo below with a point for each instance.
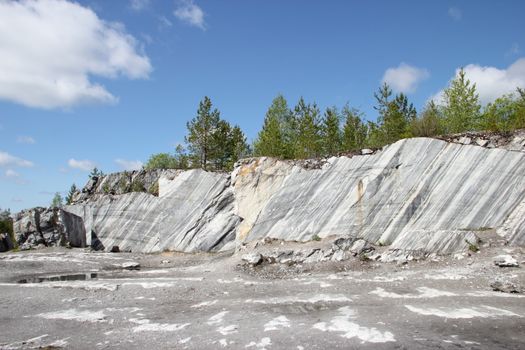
(58, 278)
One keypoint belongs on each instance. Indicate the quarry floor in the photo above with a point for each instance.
(88, 301)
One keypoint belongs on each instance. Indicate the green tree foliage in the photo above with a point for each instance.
(96, 173)
(331, 135)
(461, 108)
(213, 142)
(505, 114)
(308, 144)
(354, 129)
(161, 161)
(271, 140)
(72, 191)
(57, 201)
(6, 223)
(200, 132)
(397, 119)
(429, 123)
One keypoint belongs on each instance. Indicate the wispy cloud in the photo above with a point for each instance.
(129, 164)
(8, 160)
(10, 173)
(28, 140)
(189, 12)
(164, 22)
(84, 165)
(88, 46)
(139, 5)
(405, 78)
(514, 50)
(455, 13)
(492, 82)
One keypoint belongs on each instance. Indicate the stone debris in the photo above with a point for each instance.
(506, 261)
(506, 284)
(252, 258)
(131, 265)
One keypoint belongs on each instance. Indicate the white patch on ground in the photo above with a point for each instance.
(205, 303)
(226, 330)
(299, 347)
(482, 294)
(75, 315)
(482, 311)
(424, 293)
(311, 300)
(124, 309)
(152, 272)
(444, 276)
(185, 340)
(145, 325)
(223, 342)
(142, 298)
(235, 280)
(343, 324)
(388, 279)
(261, 344)
(276, 323)
(322, 284)
(217, 318)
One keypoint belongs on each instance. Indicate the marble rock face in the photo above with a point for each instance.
(417, 194)
(194, 211)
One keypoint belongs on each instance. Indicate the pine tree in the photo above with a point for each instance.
(308, 143)
(331, 132)
(71, 194)
(57, 201)
(382, 97)
(354, 130)
(271, 139)
(429, 123)
(398, 118)
(95, 173)
(201, 129)
(461, 108)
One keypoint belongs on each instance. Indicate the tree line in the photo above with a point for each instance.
(305, 132)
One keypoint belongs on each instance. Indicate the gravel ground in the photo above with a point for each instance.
(81, 300)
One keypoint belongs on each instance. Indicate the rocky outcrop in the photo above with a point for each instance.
(194, 211)
(417, 195)
(48, 227)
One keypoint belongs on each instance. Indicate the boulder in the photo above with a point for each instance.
(505, 261)
(6, 243)
(252, 258)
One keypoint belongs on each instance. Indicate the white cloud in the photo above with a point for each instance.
(405, 78)
(129, 164)
(51, 49)
(26, 139)
(492, 82)
(8, 160)
(190, 13)
(139, 5)
(455, 13)
(16, 200)
(84, 165)
(10, 173)
(164, 22)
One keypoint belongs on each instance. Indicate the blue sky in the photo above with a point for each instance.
(108, 83)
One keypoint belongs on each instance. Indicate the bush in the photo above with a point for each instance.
(137, 186)
(154, 189)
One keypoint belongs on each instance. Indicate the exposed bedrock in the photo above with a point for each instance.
(417, 194)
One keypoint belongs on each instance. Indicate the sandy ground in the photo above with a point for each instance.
(88, 301)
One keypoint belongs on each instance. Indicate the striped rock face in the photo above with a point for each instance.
(418, 193)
